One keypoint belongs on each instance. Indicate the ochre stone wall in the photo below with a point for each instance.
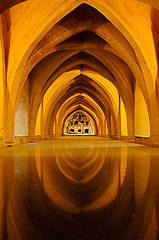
(21, 117)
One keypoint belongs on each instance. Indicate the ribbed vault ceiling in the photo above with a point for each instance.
(86, 55)
(78, 43)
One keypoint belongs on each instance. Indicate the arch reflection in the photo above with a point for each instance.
(80, 189)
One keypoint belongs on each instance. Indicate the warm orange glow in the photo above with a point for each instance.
(64, 53)
(125, 59)
(97, 59)
(2, 79)
(124, 130)
(38, 123)
(142, 126)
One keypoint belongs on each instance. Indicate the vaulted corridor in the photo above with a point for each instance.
(63, 57)
(79, 119)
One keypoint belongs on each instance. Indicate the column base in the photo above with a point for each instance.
(154, 140)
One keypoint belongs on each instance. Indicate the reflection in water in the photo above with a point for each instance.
(79, 188)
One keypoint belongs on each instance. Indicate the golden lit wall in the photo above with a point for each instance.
(21, 117)
(124, 130)
(142, 126)
(38, 122)
(2, 76)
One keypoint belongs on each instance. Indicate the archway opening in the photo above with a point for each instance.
(79, 124)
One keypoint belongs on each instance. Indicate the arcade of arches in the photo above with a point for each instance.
(59, 57)
(79, 67)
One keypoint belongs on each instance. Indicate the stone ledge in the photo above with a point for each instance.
(150, 141)
(18, 140)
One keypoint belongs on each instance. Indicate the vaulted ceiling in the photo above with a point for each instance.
(90, 55)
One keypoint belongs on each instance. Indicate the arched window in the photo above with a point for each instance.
(79, 124)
